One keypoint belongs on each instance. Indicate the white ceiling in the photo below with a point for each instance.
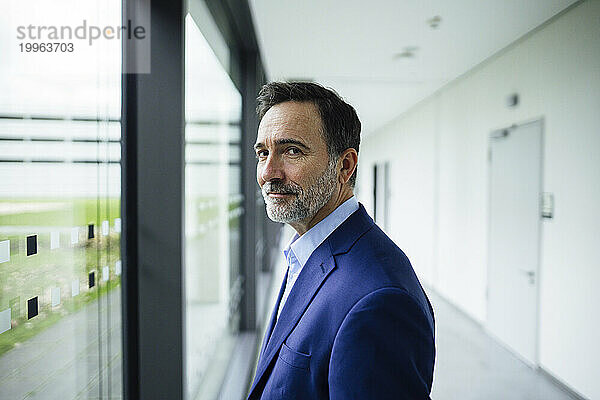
(349, 45)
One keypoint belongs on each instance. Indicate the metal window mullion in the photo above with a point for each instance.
(152, 211)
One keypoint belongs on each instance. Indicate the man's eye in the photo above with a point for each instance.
(293, 151)
(261, 154)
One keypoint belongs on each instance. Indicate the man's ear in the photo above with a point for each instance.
(347, 164)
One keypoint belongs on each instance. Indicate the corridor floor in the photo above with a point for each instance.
(471, 365)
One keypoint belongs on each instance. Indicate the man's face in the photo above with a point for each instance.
(294, 171)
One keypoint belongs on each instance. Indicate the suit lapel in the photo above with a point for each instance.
(317, 268)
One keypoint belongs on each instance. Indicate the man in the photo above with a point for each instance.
(351, 320)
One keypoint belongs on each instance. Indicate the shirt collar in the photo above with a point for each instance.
(303, 246)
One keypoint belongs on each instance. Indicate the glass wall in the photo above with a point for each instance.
(213, 207)
(60, 307)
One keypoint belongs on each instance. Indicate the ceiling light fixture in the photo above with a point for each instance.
(407, 52)
(299, 79)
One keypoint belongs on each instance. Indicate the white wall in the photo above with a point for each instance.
(438, 152)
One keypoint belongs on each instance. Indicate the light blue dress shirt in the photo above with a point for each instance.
(299, 249)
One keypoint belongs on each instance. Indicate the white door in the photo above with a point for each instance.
(514, 237)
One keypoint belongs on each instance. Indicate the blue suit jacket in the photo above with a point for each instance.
(356, 325)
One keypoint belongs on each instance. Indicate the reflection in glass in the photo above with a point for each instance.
(213, 206)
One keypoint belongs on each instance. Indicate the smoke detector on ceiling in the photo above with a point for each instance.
(434, 22)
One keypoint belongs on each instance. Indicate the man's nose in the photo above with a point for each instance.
(272, 169)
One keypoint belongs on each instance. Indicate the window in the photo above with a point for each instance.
(213, 207)
(60, 192)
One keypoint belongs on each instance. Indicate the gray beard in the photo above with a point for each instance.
(305, 204)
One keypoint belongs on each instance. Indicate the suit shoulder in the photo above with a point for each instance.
(380, 244)
(373, 262)
(377, 253)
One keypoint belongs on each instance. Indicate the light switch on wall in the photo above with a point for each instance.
(547, 205)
